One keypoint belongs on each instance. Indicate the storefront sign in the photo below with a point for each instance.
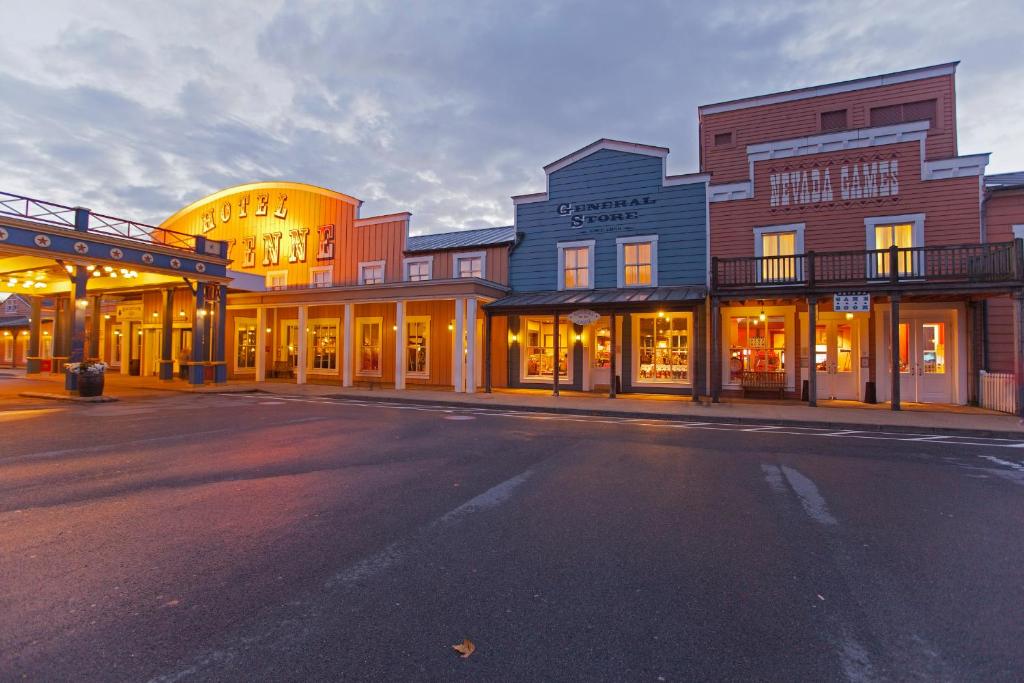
(857, 181)
(610, 211)
(129, 312)
(584, 316)
(851, 302)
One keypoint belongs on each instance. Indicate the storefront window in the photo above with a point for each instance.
(821, 348)
(416, 347)
(904, 347)
(664, 348)
(115, 348)
(756, 345)
(602, 344)
(245, 344)
(325, 346)
(540, 349)
(933, 348)
(369, 347)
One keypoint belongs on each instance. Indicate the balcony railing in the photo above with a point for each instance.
(972, 263)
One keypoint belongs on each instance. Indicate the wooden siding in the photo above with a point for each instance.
(951, 207)
(801, 117)
(677, 216)
(441, 314)
(499, 351)
(1003, 210)
(495, 269)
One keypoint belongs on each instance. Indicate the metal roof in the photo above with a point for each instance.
(580, 298)
(462, 239)
(1004, 181)
(15, 321)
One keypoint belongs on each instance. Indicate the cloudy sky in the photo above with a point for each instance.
(444, 108)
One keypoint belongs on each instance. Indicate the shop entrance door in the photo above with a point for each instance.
(925, 373)
(135, 350)
(290, 349)
(152, 352)
(835, 353)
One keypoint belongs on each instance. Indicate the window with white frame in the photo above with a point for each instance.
(417, 346)
(663, 348)
(371, 273)
(637, 261)
(468, 265)
(576, 265)
(323, 345)
(320, 276)
(906, 233)
(11, 305)
(539, 349)
(368, 331)
(419, 269)
(245, 343)
(778, 247)
(8, 341)
(277, 279)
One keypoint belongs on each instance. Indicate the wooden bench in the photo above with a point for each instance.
(760, 381)
(282, 369)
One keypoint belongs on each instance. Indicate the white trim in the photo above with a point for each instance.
(320, 269)
(403, 216)
(358, 345)
(917, 233)
(831, 88)
(956, 167)
(619, 259)
(729, 191)
(406, 262)
(458, 255)
(1018, 231)
(274, 273)
(529, 198)
(914, 131)
(243, 322)
(798, 228)
(685, 179)
(371, 264)
(562, 246)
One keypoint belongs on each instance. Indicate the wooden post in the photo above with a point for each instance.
(471, 345)
(696, 360)
(300, 363)
(487, 351)
(894, 340)
(716, 350)
(458, 358)
(611, 368)
(812, 366)
(1018, 349)
(261, 344)
(555, 374)
(400, 340)
(347, 349)
(166, 335)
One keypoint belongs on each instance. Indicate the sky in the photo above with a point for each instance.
(442, 108)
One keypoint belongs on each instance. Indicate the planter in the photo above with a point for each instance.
(90, 384)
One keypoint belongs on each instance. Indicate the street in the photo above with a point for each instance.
(262, 537)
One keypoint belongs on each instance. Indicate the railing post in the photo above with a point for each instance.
(714, 273)
(894, 262)
(81, 219)
(1018, 258)
(810, 268)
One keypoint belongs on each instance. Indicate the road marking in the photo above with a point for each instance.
(810, 498)
(458, 417)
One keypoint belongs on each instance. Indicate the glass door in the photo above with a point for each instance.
(924, 360)
(835, 357)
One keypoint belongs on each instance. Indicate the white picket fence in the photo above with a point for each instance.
(998, 391)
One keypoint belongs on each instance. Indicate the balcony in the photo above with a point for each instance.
(979, 266)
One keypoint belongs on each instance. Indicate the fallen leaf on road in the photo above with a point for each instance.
(465, 648)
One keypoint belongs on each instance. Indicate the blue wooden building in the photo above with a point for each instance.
(608, 276)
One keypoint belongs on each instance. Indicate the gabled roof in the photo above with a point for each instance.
(1004, 181)
(606, 143)
(462, 239)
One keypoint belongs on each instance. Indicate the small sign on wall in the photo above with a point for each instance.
(851, 302)
(584, 316)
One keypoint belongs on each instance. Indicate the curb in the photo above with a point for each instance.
(715, 419)
(68, 397)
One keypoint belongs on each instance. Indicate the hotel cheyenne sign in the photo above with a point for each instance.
(857, 181)
(259, 204)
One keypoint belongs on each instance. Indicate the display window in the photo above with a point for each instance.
(539, 349)
(756, 345)
(662, 354)
(245, 344)
(417, 347)
(368, 332)
(323, 345)
(602, 357)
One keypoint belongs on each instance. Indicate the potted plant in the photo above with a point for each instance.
(90, 376)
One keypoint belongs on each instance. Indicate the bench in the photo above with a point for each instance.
(282, 368)
(760, 381)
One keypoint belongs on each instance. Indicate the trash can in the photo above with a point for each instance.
(134, 367)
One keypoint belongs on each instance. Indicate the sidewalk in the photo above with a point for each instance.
(916, 418)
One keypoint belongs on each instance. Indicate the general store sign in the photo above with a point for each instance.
(584, 316)
(851, 302)
(846, 182)
(609, 211)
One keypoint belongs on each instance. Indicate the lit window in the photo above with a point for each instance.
(577, 267)
(777, 250)
(371, 273)
(11, 306)
(636, 264)
(417, 352)
(245, 343)
(756, 345)
(369, 346)
(602, 344)
(540, 349)
(324, 338)
(277, 279)
(321, 277)
(902, 236)
(416, 271)
(470, 266)
(664, 344)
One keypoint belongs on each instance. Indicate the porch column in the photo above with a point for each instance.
(894, 360)
(1018, 349)
(696, 359)
(346, 343)
(76, 323)
(196, 371)
(261, 344)
(458, 358)
(300, 362)
(34, 321)
(716, 350)
(487, 351)
(613, 340)
(59, 330)
(167, 336)
(93, 351)
(220, 370)
(471, 346)
(812, 367)
(975, 348)
(400, 337)
(558, 347)
(871, 391)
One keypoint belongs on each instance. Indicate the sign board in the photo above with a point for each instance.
(584, 316)
(851, 302)
(129, 312)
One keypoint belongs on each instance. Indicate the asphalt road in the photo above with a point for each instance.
(253, 537)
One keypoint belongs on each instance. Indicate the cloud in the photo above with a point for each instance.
(443, 109)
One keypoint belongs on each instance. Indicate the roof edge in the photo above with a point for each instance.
(262, 185)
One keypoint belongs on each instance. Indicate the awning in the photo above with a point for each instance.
(598, 299)
(16, 321)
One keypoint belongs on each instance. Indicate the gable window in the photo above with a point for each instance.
(369, 339)
(576, 265)
(417, 347)
(723, 139)
(371, 273)
(11, 306)
(468, 265)
(778, 248)
(833, 120)
(418, 269)
(277, 279)
(906, 233)
(924, 110)
(637, 261)
(320, 276)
